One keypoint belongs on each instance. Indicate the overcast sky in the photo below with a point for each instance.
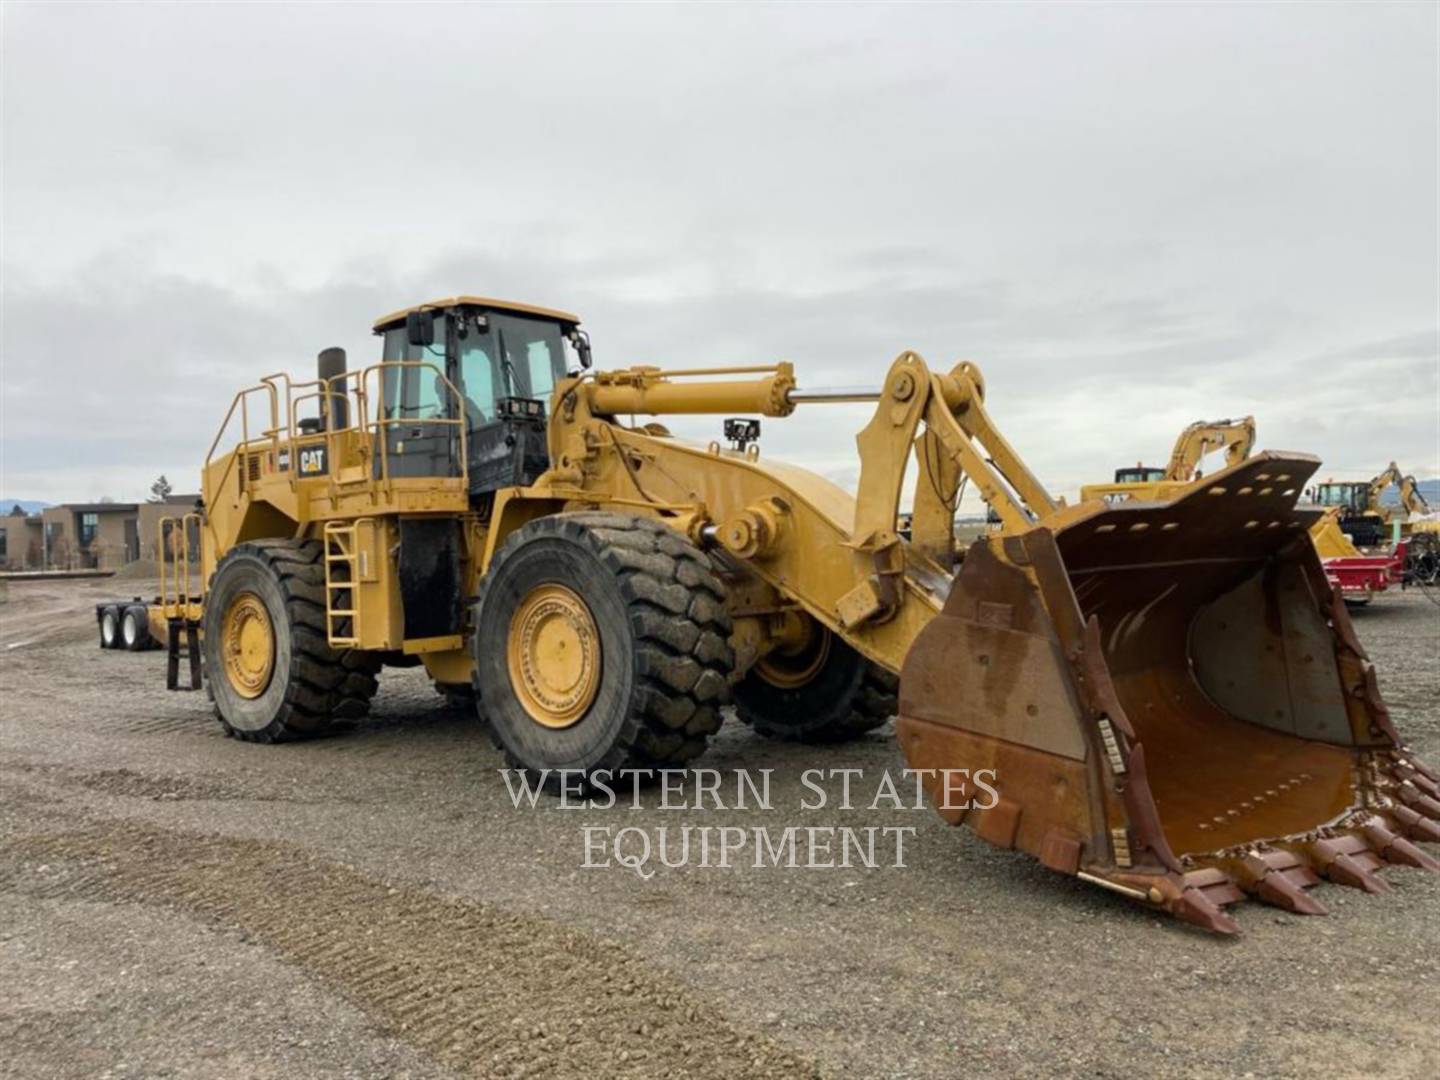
(1131, 217)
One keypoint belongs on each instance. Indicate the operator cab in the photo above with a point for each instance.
(1352, 496)
(503, 358)
(1139, 474)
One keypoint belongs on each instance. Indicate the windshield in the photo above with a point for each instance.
(532, 352)
(495, 355)
(1352, 496)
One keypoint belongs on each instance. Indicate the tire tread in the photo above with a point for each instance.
(324, 683)
(681, 629)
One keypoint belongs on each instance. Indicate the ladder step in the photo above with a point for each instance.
(341, 544)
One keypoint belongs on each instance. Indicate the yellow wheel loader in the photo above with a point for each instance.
(1172, 699)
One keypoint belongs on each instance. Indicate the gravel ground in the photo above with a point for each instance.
(173, 902)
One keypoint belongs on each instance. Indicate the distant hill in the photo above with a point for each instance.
(1430, 489)
(28, 505)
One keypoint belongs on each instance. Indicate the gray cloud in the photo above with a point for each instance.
(1131, 217)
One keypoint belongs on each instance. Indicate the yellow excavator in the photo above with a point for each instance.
(1143, 482)
(1173, 702)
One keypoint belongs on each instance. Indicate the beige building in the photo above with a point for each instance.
(149, 517)
(86, 536)
(20, 543)
(89, 536)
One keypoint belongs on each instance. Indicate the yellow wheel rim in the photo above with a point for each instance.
(247, 645)
(553, 654)
(803, 648)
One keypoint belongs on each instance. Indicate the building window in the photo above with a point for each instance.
(4, 545)
(89, 526)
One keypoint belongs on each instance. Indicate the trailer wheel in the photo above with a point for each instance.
(273, 674)
(135, 628)
(110, 626)
(817, 689)
(600, 644)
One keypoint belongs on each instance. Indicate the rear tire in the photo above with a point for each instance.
(638, 627)
(295, 684)
(829, 693)
(135, 628)
(110, 627)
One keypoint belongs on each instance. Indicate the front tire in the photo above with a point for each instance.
(601, 643)
(819, 691)
(270, 667)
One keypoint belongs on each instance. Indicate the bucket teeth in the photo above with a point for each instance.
(1426, 785)
(1397, 849)
(1343, 868)
(1280, 878)
(1404, 851)
(1196, 908)
(1424, 770)
(1414, 826)
(1411, 794)
(1279, 890)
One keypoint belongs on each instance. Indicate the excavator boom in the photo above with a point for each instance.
(1235, 437)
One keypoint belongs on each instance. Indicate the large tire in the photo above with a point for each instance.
(657, 628)
(829, 694)
(309, 684)
(135, 628)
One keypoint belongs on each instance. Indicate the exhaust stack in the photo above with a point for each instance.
(330, 364)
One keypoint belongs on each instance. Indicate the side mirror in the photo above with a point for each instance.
(420, 328)
(581, 341)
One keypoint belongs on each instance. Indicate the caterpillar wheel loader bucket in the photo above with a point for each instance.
(1173, 703)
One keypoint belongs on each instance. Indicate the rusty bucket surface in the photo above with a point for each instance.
(1173, 702)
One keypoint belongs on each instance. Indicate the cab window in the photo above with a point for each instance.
(477, 377)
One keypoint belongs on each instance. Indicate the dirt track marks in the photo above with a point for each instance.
(456, 978)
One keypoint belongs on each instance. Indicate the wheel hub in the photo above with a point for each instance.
(801, 649)
(247, 645)
(553, 655)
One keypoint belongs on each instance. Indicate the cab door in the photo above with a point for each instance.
(415, 407)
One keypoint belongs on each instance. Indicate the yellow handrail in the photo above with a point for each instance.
(281, 432)
(176, 573)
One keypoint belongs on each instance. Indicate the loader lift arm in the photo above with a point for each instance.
(1087, 654)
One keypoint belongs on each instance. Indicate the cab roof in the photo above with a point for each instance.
(479, 301)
